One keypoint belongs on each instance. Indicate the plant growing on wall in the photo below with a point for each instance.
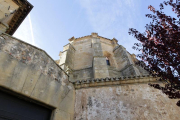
(160, 46)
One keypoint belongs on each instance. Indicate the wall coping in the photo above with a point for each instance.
(35, 48)
(92, 36)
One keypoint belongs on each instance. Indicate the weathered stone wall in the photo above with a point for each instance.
(6, 8)
(83, 55)
(124, 102)
(70, 56)
(81, 74)
(107, 49)
(62, 57)
(121, 57)
(91, 51)
(141, 70)
(130, 70)
(99, 62)
(29, 71)
(66, 61)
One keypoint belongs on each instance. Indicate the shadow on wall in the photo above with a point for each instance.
(109, 58)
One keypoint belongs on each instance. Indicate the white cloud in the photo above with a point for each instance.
(32, 34)
(113, 18)
(25, 31)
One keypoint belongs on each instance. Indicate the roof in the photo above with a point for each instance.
(24, 8)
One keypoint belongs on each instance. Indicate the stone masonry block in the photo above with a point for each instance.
(31, 81)
(7, 65)
(61, 115)
(19, 76)
(67, 105)
(41, 88)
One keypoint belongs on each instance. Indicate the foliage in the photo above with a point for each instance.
(160, 46)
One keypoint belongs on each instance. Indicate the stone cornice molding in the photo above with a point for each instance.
(24, 8)
(93, 35)
(113, 81)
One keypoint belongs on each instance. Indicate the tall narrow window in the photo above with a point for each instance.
(107, 61)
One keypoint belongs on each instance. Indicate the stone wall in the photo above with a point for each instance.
(91, 51)
(107, 49)
(121, 57)
(81, 74)
(29, 71)
(83, 55)
(6, 8)
(100, 68)
(124, 102)
(70, 56)
(130, 70)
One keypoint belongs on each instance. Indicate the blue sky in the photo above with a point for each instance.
(52, 22)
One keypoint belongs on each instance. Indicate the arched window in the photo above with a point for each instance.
(107, 61)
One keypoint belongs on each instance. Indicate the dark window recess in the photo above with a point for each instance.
(107, 61)
(13, 108)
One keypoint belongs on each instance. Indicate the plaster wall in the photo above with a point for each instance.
(124, 102)
(31, 72)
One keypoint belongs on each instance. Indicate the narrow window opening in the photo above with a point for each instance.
(107, 61)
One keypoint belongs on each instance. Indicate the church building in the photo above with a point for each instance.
(95, 78)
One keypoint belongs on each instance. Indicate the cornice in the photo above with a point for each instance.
(113, 81)
(87, 36)
(24, 8)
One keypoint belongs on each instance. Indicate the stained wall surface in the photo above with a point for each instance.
(86, 73)
(126, 102)
(6, 7)
(83, 56)
(31, 72)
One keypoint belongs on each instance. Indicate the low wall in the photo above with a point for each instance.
(31, 72)
(124, 102)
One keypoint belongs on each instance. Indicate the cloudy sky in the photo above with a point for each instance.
(52, 22)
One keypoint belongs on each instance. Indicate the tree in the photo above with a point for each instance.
(160, 46)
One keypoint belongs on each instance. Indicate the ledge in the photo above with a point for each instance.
(113, 81)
